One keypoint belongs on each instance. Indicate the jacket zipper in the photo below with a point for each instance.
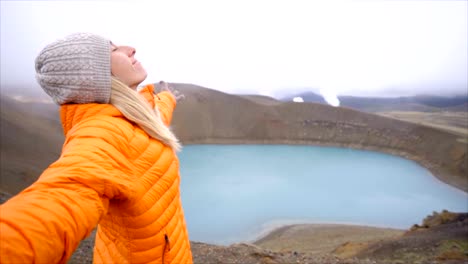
(167, 244)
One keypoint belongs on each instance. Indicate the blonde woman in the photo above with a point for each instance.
(118, 169)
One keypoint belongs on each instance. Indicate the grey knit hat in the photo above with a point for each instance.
(76, 69)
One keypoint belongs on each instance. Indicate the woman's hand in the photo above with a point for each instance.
(163, 86)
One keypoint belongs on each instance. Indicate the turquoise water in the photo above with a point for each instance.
(235, 193)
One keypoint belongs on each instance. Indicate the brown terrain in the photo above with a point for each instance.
(455, 122)
(436, 140)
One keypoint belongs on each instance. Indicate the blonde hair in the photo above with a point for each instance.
(135, 108)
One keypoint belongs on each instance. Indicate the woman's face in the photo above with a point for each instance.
(125, 67)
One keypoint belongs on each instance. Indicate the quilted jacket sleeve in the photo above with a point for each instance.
(164, 101)
(46, 222)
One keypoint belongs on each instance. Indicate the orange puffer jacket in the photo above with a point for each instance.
(110, 173)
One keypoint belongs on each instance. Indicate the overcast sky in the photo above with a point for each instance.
(386, 48)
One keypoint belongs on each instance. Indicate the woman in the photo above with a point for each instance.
(118, 169)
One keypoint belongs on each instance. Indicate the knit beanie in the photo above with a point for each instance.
(76, 69)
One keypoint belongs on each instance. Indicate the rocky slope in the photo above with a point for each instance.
(443, 237)
(419, 103)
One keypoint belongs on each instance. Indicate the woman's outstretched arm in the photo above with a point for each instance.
(46, 222)
(165, 101)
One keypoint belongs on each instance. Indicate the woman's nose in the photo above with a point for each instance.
(130, 51)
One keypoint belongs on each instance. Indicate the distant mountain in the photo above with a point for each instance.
(422, 103)
(458, 108)
(440, 101)
(310, 97)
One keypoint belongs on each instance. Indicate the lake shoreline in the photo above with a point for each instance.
(281, 228)
(317, 238)
(270, 229)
